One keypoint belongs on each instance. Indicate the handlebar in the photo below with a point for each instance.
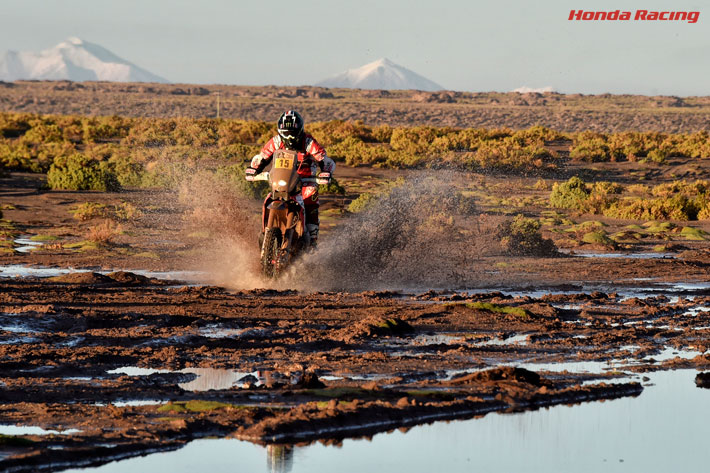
(251, 175)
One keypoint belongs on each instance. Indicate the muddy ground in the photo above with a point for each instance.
(115, 361)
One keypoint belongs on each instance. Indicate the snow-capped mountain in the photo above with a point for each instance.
(381, 74)
(74, 60)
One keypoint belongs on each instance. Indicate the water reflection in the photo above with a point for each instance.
(279, 458)
(664, 429)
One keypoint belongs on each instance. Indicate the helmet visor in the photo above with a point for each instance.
(290, 137)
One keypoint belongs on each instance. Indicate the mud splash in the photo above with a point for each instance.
(410, 237)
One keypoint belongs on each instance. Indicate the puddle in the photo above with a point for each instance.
(211, 378)
(19, 341)
(216, 331)
(26, 245)
(214, 378)
(136, 371)
(133, 403)
(33, 430)
(698, 310)
(193, 276)
(663, 429)
(21, 271)
(15, 326)
(514, 340)
(650, 255)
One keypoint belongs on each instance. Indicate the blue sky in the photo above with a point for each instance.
(460, 44)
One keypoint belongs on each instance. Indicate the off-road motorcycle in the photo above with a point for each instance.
(283, 228)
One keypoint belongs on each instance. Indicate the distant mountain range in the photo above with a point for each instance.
(75, 60)
(381, 74)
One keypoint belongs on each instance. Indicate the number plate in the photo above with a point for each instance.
(283, 163)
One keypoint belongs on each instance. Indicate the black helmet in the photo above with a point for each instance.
(290, 128)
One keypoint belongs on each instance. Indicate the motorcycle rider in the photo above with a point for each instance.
(311, 156)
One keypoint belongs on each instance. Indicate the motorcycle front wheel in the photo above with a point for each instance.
(270, 252)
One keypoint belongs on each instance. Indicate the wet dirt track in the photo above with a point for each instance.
(126, 365)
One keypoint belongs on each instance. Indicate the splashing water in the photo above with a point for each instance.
(409, 238)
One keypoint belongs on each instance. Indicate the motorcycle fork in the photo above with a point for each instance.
(287, 227)
(288, 233)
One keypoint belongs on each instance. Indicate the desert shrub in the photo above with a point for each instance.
(89, 210)
(363, 202)
(166, 173)
(231, 132)
(103, 233)
(641, 189)
(606, 187)
(590, 146)
(125, 211)
(658, 155)
(17, 157)
(195, 132)
(234, 175)
(238, 152)
(334, 131)
(354, 152)
(333, 187)
(696, 145)
(521, 236)
(152, 132)
(415, 140)
(678, 207)
(570, 194)
(382, 133)
(668, 189)
(42, 131)
(72, 128)
(14, 125)
(128, 172)
(597, 237)
(510, 155)
(541, 185)
(79, 172)
(101, 129)
(537, 134)
(45, 154)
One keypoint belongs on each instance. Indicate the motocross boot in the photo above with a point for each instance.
(313, 232)
(312, 224)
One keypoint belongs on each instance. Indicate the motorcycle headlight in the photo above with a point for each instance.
(282, 183)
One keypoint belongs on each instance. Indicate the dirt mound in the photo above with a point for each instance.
(126, 278)
(507, 373)
(375, 326)
(82, 278)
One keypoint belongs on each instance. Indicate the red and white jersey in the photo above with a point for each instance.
(311, 149)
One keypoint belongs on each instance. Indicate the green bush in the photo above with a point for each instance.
(333, 187)
(521, 236)
(569, 195)
(128, 172)
(597, 237)
(590, 146)
(363, 202)
(678, 207)
(79, 172)
(235, 176)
